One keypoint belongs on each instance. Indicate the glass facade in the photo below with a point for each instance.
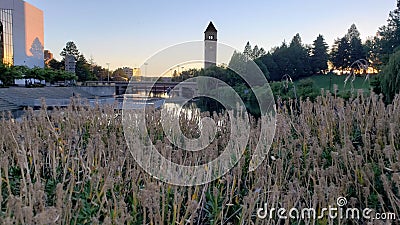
(6, 36)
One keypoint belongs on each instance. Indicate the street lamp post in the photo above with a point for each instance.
(145, 68)
(108, 73)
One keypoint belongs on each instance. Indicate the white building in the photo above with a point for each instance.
(70, 63)
(21, 34)
(128, 72)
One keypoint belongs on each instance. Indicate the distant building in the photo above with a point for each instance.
(21, 34)
(70, 63)
(210, 46)
(128, 72)
(48, 56)
(137, 73)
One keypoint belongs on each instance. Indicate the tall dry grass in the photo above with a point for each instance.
(72, 166)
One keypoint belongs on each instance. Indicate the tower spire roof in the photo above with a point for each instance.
(211, 27)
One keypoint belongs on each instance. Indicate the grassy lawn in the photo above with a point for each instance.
(327, 82)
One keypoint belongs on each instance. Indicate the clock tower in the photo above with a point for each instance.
(210, 46)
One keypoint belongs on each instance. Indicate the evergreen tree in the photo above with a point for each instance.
(356, 49)
(70, 49)
(340, 56)
(352, 32)
(263, 68)
(262, 52)
(248, 51)
(280, 56)
(256, 53)
(238, 62)
(298, 58)
(319, 55)
(389, 35)
(82, 69)
(372, 52)
(271, 65)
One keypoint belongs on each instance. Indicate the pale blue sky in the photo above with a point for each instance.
(127, 32)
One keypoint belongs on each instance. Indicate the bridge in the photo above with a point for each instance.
(185, 89)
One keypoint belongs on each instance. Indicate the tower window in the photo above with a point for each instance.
(211, 37)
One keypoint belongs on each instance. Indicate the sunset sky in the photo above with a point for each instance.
(126, 33)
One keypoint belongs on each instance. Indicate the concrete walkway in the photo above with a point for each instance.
(17, 97)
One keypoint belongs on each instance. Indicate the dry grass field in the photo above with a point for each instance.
(73, 166)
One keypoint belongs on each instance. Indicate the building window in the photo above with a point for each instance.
(211, 37)
(6, 44)
(1, 42)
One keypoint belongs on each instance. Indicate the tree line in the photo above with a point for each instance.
(382, 52)
(300, 60)
(9, 73)
(294, 58)
(87, 70)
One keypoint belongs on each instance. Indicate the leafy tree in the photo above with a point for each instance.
(319, 55)
(175, 76)
(56, 65)
(99, 72)
(36, 73)
(187, 74)
(59, 75)
(119, 75)
(220, 74)
(8, 74)
(390, 81)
